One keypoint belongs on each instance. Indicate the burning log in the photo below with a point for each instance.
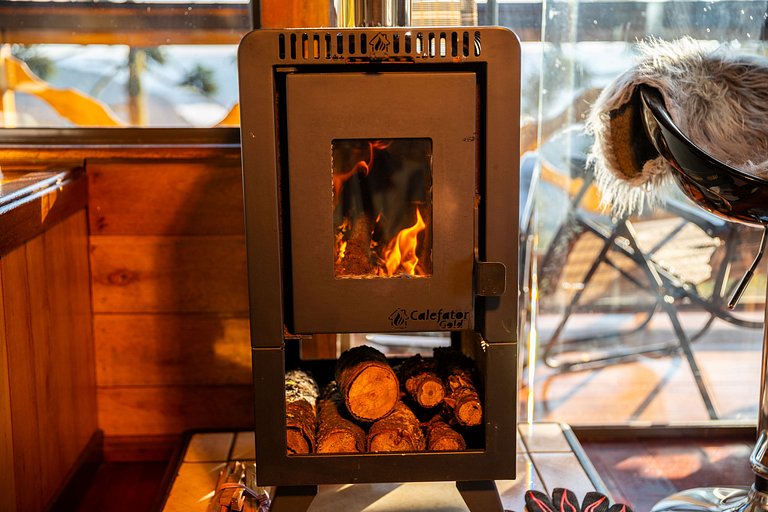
(441, 437)
(462, 397)
(300, 399)
(421, 381)
(335, 433)
(397, 432)
(369, 386)
(353, 256)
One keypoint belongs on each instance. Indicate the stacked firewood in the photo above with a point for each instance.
(421, 405)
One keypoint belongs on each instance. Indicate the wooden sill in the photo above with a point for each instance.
(30, 146)
(32, 202)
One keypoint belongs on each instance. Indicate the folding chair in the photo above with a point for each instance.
(618, 248)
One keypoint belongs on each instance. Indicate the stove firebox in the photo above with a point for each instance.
(381, 195)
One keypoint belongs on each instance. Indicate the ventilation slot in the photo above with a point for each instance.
(454, 44)
(478, 45)
(351, 47)
(316, 50)
(339, 43)
(281, 46)
(408, 43)
(327, 46)
(363, 43)
(293, 46)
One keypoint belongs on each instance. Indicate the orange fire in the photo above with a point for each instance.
(341, 244)
(400, 253)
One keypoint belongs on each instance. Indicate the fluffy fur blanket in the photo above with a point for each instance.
(718, 98)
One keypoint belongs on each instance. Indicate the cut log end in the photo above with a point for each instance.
(469, 414)
(373, 393)
(441, 437)
(429, 393)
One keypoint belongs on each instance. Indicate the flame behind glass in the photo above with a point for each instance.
(382, 207)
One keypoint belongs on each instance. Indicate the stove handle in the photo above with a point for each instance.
(490, 278)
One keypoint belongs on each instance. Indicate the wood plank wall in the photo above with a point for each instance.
(170, 303)
(169, 285)
(47, 377)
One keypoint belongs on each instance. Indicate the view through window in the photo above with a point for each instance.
(609, 292)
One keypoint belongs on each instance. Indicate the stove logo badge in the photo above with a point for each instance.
(380, 45)
(399, 318)
(445, 318)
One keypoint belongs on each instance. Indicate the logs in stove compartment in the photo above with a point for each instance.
(421, 405)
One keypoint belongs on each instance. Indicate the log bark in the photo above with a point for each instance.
(357, 253)
(369, 386)
(335, 432)
(462, 398)
(422, 382)
(397, 432)
(441, 437)
(300, 415)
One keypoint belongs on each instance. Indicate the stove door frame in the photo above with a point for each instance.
(323, 107)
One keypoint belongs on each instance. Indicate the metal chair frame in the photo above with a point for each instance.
(665, 288)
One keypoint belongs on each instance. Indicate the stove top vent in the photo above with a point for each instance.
(302, 46)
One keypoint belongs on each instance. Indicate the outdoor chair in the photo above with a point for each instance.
(667, 258)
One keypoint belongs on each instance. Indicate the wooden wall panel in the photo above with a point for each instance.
(172, 350)
(154, 274)
(169, 284)
(68, 278)
(51, 377)
(149, 411)
(8, 481)
(22, 371)
(166, 198)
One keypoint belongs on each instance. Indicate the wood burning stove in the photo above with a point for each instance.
(381, 195)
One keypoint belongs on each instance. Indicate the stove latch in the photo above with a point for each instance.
(490, 278)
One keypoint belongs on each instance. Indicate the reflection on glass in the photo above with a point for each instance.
(382, 207)
(117, 85)
(595, 306)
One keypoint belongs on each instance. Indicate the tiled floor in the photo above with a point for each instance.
(545, 459)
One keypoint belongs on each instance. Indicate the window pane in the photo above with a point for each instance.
(617, 301)
(113, 64)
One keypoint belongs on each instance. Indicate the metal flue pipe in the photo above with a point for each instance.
(372, 13)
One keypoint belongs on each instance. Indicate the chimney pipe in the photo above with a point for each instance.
(372, 13)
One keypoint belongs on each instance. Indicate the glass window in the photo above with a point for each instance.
(629, 321)
(382, 207)
(118, 64)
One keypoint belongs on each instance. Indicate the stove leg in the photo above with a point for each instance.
(480, 496)
(294, 498)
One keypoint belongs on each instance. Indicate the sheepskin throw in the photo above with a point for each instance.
(718, 98)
